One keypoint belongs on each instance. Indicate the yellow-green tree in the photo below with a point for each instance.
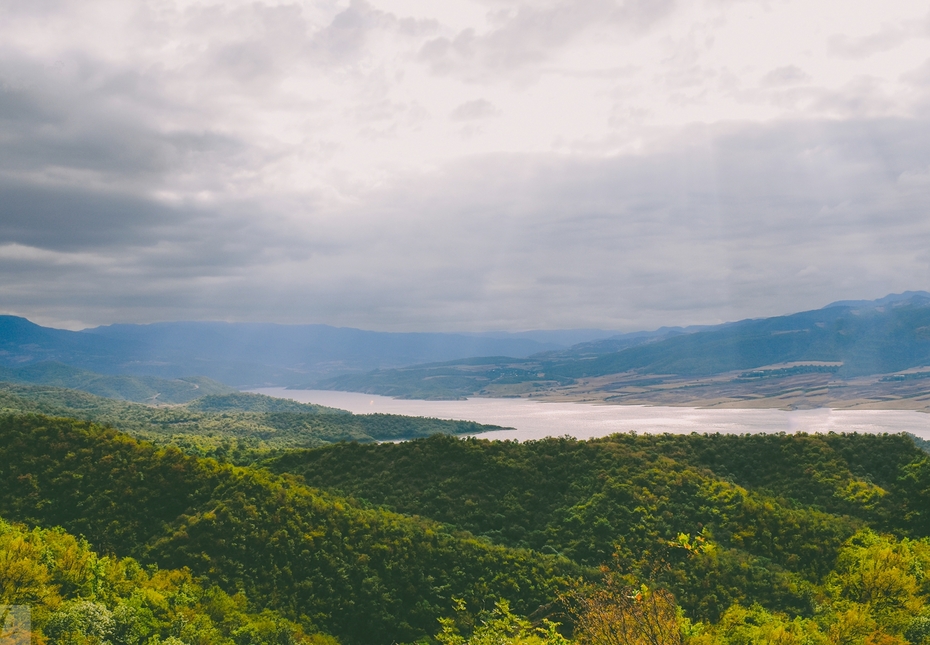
(500, 626)
(615, 613)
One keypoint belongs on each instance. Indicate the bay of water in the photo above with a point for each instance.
(531, 419)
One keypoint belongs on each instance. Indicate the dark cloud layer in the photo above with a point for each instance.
(68, 219)
(738, 221)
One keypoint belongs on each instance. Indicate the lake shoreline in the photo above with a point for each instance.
(539, 417)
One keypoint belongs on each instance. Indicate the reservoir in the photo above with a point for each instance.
(529, 419)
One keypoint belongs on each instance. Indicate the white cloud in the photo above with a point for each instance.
(787, 75)
(337, 161)
(472, 110)
(888, 38)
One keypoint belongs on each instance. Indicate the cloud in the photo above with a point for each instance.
(862, 97)
(92, 125)
(19, 253)
(722, 222)
(887, 39)
(919, 77)
(524, 35)
(787, 75)
(647, 162)
(472, 110)
(63, 219)
(346, 37)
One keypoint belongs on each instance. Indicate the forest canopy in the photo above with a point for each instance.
(714, 539)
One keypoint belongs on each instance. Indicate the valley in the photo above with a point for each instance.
(144, 509)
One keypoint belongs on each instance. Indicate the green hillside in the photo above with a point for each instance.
(250, 402)
(237, 426)
(76, 595)
(365, 575)
(777, 507)
(141, 389)
(713, 540)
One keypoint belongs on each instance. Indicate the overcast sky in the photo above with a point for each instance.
(460, 165)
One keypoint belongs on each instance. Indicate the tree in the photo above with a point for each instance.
(498, 627)
(615, 613)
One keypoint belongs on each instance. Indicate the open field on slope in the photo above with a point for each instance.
(732, 390)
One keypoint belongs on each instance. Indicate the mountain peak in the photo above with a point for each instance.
(893, 299)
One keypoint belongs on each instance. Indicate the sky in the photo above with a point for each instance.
(404, 165)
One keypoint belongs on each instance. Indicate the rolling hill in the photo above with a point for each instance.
(366, 575)
(781, 538)
(140, 389)
(240, 427)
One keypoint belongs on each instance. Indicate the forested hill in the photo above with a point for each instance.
(875, 478)
(789, 539)
(776, 507)
(76, 595)
(236, 426)
(140, 389)
(365, 575)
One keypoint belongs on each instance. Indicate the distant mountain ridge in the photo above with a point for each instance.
(867, 337)
(885, 336)
(867, 340)
(620, 342)
(256, 354)
(893, 299)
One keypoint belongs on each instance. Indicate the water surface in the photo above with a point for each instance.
(536, 419)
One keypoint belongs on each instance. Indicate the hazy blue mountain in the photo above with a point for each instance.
(562, 337)
(252, 354)
(23, 342)
(618, 342)
(868, 337)
(912, 297)
(874, 339)
(877, 337)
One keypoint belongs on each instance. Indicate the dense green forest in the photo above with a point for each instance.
(699, 539)
(363, 574)
(76, 595)
(776, 507)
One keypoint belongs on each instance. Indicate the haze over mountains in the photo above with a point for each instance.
(850, 339)
(247, 354)
(784, 356)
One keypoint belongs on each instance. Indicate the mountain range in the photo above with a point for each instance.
(839, 343)
(250, 354)
(845, 339)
